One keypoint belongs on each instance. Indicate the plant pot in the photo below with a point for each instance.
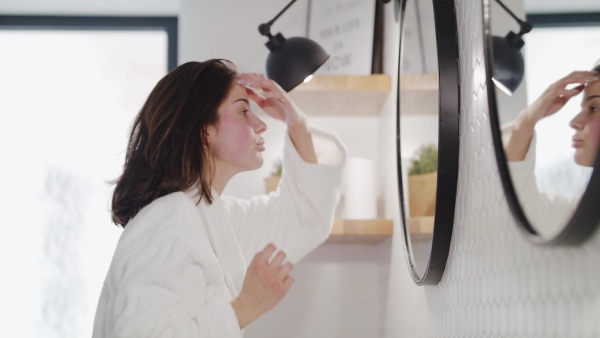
(421, 194)
(271, 183)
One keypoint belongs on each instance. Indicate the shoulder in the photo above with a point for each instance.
(167, 216)
(166, 212)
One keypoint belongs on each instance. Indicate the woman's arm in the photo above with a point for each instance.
(302, 140)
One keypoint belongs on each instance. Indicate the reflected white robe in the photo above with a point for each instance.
(178, 265)
(548, 213)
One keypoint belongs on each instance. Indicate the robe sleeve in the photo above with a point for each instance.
(548, 213)
(299, 215)
(160, 290)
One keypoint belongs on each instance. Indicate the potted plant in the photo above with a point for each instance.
(272, 181)
(422, 181)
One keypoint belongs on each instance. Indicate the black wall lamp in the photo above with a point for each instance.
(291, 61)
(509, 66)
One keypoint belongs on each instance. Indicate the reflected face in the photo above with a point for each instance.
(236, 142)
(586, 140)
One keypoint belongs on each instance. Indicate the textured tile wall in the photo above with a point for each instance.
(496, 284)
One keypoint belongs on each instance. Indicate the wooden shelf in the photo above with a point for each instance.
(343, 95)
(419, 94)
(371, 231)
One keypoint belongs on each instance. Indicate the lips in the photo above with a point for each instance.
(260, 145)
(577, 142)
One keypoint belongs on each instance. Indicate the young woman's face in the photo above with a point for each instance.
(236, 142)
(587, 126)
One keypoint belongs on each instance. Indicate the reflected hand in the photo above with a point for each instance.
(556, 96)
(271, 98)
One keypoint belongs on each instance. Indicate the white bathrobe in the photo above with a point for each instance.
(178, 265)
(548, 213)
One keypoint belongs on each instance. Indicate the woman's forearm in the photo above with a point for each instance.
(303, 142)
(519, 140)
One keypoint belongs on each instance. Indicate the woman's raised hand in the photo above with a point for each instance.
(265, 284)
(271, 98)
(556, 96)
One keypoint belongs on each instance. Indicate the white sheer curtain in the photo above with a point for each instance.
(67, 102)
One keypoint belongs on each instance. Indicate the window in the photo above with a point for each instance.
(69, 90)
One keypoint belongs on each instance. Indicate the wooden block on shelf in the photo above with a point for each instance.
(421, 225)
(360, 231)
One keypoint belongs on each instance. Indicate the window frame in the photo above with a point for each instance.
(107, 23)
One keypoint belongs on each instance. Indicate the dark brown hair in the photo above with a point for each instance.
(167, 149)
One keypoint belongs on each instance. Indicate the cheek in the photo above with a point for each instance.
(594, 130)
(236, 136)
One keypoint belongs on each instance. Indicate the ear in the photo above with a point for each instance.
(211, 132)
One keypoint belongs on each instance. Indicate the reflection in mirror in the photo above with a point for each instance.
(418, 119)
(550, 121)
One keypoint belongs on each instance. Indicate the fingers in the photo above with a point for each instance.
(581, 77)
(264, 255)
(258, 81)
(285, 270)
(278, 259)
(569, 93)
(254, 96)
(559, 90)
(287, 283)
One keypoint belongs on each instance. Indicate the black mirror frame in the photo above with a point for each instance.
(587, 215)
(448, 142)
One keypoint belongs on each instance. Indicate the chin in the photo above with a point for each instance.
(583, 160)
(258, 164)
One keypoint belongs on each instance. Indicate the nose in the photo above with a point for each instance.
(259, 126)
(578, 121)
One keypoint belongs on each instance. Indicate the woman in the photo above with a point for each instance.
(193, 263)
(548, 213)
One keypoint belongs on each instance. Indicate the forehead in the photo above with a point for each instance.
(236, 93)
(592, 89)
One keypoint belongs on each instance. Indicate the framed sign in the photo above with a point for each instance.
(350, 32)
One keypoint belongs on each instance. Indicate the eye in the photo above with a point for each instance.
(245, 112)
(592, 109)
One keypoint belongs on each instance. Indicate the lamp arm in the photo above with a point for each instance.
(265, 28)
(525, 26)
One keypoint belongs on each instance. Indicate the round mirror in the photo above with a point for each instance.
(428, 108)
(545, 112)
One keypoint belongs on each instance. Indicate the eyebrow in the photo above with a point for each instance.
(592, 97)
(244, 100)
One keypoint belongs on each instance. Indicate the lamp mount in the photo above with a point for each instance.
(524, 26)
(265, 28)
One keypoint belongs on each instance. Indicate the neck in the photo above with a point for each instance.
(223, 174)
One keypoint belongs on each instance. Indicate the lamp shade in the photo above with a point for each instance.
(293, 60)
(509, 66)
